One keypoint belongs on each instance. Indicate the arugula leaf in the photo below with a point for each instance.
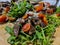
(11, 39)
(53, 20)
(9, 30)
(38, 28)
(18, 10)
(39, 35)
(58, 10)
(49, 30)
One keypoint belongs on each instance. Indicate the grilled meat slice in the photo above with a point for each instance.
(35, 21)
(16, 29)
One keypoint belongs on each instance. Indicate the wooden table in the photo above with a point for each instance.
(4, 36)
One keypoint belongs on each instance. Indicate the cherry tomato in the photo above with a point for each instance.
(26, 27)
(45, 21)
(39, 7)
(43, 18)
(3, 18)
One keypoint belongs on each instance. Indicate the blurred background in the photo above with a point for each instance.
(50, 1)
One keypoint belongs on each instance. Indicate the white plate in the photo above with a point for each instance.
(50, 1)
(5, 0)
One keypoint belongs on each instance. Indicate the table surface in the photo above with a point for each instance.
(4, 36)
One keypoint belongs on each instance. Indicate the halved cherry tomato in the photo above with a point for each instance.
(26, 27)
(3, 18)
(43, 18)
(39, 7)
(7, 9)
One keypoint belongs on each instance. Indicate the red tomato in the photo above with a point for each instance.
(43, 18)
(26, 27)
(3, 18)
(45, 21)
(39, 7)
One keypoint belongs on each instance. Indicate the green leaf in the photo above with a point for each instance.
(11, 39)
(58, 10)
(20, 9)
(39, 35)
(38, 28)
(9, 30)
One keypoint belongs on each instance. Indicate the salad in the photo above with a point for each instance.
(35, 23)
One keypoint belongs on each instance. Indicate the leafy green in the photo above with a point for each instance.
(18, 10)
(45, 34)
(58, 10)
(42, 36)
(49, 30)
(11, 39)
(9, 30)
(39, 35)
(53, 20)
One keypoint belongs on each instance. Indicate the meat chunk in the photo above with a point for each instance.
(50, 11)
(35, 21)
(1, 10)
(20, 21)
(7, 9)
(53, 7)
(16, 29)
(42, 24)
